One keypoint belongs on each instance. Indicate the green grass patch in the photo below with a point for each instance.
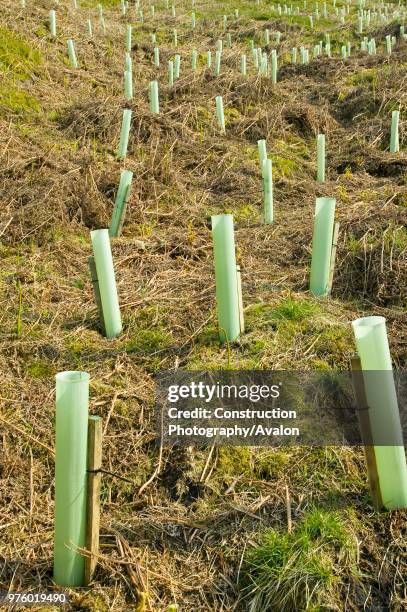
(302, 570)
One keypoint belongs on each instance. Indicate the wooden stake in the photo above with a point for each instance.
(366, 432)
(96, 292)
(93, 494)
(240, 299)
(333, 256)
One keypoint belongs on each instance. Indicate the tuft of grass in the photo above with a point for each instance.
(295, 310)
(289, 309)
(304, 569)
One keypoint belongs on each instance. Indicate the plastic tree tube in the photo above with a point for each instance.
(175, 35)
(373, 349)
(128, 37)
(243, 65)
(128, 64)
(388, 44)
(274, 66)
(321, 158)
(53, 23)
(90, 29)
(256, 58)
(220, 113)
(71, 433)
(122, 197)
(394, 137)
(193, 20)
(124, 134)
(227, 296)
(173, 11)
(219, 45)
(128, 85)
(294, 55)
(177, 66)
(209, 59)
(264, 64)
(72, 54)
(267, 36)
(153, 38)
(107, 283)
(322, 245)
(154, 102)
(156, 57)
(194, 59)
(268, 191)
(170, 73)
(261, 145)
(218, 58)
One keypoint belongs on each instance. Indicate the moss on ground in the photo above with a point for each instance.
(17, 55)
